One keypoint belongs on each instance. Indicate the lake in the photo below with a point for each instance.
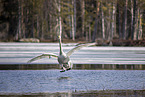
(98, 71)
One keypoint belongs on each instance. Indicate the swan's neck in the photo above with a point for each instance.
(60, 46)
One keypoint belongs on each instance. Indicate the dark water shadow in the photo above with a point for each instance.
(102, 93)
(76, 66)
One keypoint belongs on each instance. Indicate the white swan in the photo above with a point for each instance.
(63, 59)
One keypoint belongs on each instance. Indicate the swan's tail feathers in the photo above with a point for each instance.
(79, 47)
(42, 56)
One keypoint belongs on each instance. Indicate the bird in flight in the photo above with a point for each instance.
(63, 58)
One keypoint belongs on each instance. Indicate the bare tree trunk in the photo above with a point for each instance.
(115, 8)
(21, 27)
(51, 18)
(46, 15)
(19, 33)
(108, 29)
(73, 24)
(87, 35)
(42, 23)
(125, 21)
(70, 24)
(140, 32)
(96, 23)
(38, 26)
(119, 21)
(137, 24)
(83, 16)
(33, 27)
(73, 33)
(103, 25)
(89, 29)
(42, 29)
(42, 26)
(135, 19)
(50, 24)
(60, 23)
(113, 20)
(22, 19)
(132, 19)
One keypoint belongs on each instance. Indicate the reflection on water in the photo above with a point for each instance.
(76, 66)
(64, 78)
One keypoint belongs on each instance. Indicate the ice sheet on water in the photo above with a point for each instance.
(22, 52)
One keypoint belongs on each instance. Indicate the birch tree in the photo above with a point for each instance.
(18, 35)
(59, 17)
(132, 19)
(75, 22)
(103, 24)
(73, 19)
(108, 21)
(125, 20)
(96, 21)
(82, 16)
(140, 31)
(113, 23)
(135, 19)
(119, 20)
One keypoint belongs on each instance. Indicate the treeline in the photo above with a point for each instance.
(76, 19)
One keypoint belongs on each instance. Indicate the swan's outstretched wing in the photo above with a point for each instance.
(79, 47)
(42, 56)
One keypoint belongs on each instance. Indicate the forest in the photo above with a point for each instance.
(85, 20)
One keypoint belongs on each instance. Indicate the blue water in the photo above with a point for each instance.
(52, 81)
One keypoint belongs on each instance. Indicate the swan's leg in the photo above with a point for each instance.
(63, 68)
(70, 65)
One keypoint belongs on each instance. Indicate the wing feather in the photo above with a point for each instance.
(79, 47)
(42, 56)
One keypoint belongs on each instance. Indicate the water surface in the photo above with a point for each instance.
(97, 71)
(51, 81)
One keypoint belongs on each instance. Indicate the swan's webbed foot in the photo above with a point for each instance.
(63, 69)
(68, 69)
